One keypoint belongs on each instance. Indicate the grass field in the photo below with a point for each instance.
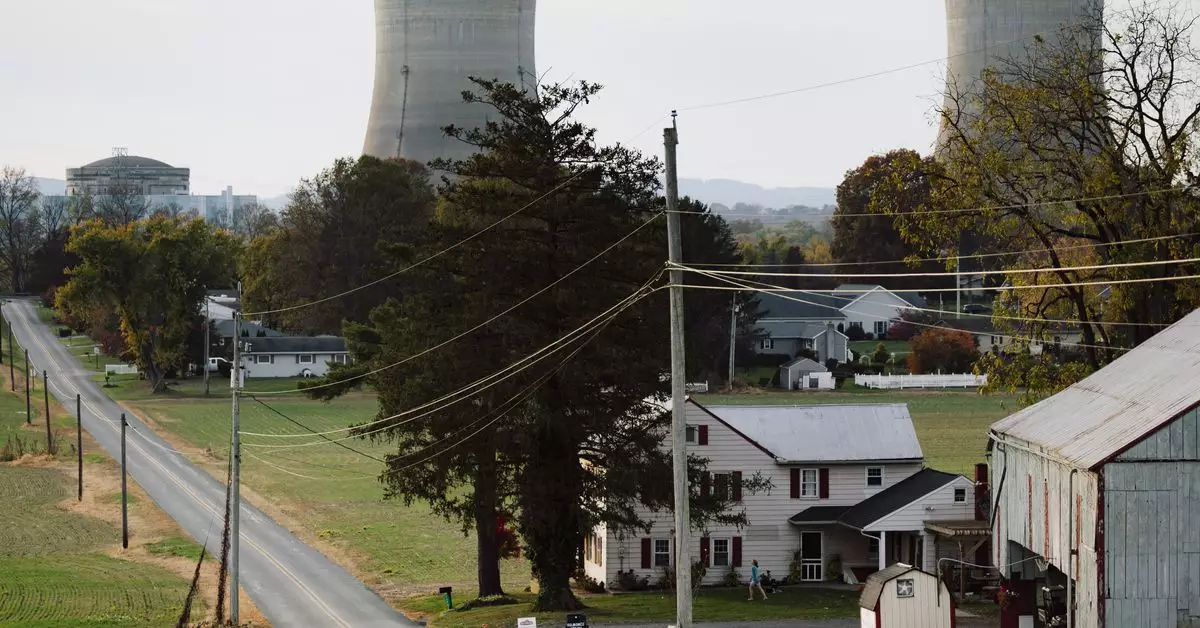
(710, 605)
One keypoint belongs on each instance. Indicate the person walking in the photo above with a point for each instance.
(754, 582)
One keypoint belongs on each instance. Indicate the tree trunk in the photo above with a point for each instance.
(550, 513)
(485, 525)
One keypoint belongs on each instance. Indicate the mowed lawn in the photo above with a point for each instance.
(332, 492)
(52, 570)
(952, 426)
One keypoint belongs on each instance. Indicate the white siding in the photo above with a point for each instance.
(596, 571)
(936, 506)
(769, 538)
(287, 365)
(1027, 522)
(866, 617)
(922, 610)
(879, 305)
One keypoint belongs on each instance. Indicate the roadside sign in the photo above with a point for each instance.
(527, 622)
(95, 350)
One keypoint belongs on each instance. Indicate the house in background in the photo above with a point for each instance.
(292, 356)
(849, 493)
(872, 308)
(805, 374)
(1098, 491)
(220, 305)
(991, 339)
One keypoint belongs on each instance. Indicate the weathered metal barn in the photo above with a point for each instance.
(1096, 513)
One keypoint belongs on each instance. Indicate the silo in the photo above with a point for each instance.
(425, 52)
(981, 32)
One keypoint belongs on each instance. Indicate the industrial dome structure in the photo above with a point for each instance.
(127, 161)
(128, 174)
(425, 53)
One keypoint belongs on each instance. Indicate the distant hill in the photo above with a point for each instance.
(51, 187)
(729, 193)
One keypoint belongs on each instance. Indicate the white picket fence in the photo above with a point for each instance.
(120, 369)
(892, 382)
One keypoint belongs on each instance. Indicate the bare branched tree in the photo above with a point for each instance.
(20, 228)
(253, 220)
(122, 204)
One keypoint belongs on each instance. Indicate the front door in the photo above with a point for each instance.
(812, 559)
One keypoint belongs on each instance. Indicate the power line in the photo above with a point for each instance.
(950, 257)
(314, 432)
(965, 210)
(472, 330)
(1013, 271)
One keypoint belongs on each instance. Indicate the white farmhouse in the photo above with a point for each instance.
(849, 493)
(292, 356)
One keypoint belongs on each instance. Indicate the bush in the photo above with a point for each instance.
(768, 359)
(868, 336)
(587, 583)
(855, 333)
(732, 578)
(945, 350)
(882, 355)
(629, 581)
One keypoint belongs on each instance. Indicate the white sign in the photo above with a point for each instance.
(527, 622)
(95, 350)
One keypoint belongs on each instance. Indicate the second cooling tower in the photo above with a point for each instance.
(425, 52)
(981, 32)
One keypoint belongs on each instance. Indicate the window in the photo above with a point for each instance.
(806, 343)
(262, 359)
(662, 552)
(305, 359)
(808, 483)
(720, 553)
(881, 328)
(872, 548)
(857, 324)
(689, 434)
(960, 494)
(766, 343)
(598, 548)
(721, 484)
(904, 587)
(874, 476)
(340, 358)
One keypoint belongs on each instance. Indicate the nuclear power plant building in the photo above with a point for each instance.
(980, 33)
(425, 52)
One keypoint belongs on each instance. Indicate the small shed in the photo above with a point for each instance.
(803, 373)
(903, 596)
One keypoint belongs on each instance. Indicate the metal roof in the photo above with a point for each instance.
(128, 161)
(827, 433)
(1117, 406)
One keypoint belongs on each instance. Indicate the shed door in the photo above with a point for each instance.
(812, 557)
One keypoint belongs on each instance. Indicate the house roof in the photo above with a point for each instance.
(818, 514)
(297, 344)
(1116, 407)
(806, 364)
(851, 291)
(800, 304)
(825, 433)
(895, 497)
(876, 581)
(787, 329)
(224, 327)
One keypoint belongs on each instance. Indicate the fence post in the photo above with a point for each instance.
(46, 397)
(79, 439)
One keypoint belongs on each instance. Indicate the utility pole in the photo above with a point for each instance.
(46, 397)
(12, 368)
(124, 489)
(28, 406)
(207, 325)
(683, 561)
(957, 284)
(79, 439)
(235, 453)
(732, 340)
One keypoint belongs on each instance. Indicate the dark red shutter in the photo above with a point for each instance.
(824, 479)
(795, 483)
(645, 553)
(703, 434)
(737, 486)
(737, 551)
(705, 482)
(704, 550)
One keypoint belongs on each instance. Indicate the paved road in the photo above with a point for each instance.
(292, 584)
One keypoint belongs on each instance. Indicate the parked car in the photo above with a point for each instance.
(976, 308)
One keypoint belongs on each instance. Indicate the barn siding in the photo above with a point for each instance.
(1031, 483)
(769, 538)
(1178, 440)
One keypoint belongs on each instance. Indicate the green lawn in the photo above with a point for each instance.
(51, 572)
(867, 347)
(952, 426)
(710, 605)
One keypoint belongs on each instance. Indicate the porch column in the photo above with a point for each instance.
(882, 550)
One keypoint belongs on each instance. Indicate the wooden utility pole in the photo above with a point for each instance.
(235, 454)
(124, 489)
(12, 368)
(46, 397)
(28, 405)
(732, 341)
(683, 560)
(207, 326)
(79, 439)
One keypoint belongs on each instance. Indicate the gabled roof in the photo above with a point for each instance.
(800, 304)
(786, 329)
(296, 344)
(876, 581)
(814, 515)
(807, 364)
(1116, 407)
(224, 327)
(825, 433)
(850, 292)
(895, 497)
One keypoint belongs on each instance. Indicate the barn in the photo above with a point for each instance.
(1096, 504)
(903, 596)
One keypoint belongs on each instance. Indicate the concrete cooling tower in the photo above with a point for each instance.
(425, 52)
(981, 32)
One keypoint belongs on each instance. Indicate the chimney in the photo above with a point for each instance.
(830, 344)
(983, 493)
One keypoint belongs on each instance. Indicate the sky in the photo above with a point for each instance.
(260, 93)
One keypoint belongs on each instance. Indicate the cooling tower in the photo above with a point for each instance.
(425, 52)
(981, 32)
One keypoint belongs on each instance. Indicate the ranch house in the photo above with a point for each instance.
(292, 356)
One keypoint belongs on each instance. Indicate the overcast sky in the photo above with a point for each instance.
(259, 93)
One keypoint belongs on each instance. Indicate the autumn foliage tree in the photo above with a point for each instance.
(942, 350)
(152, 274)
